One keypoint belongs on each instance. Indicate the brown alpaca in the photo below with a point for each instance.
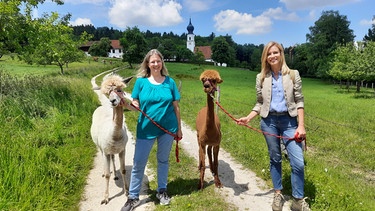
(208, 128)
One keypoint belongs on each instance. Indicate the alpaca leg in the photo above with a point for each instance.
(202, 166)
(215, 167)
(123, 171)
(107, 175)
(114, 167)
(209, 155)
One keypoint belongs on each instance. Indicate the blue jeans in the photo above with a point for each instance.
(141, 154)
(285, 126)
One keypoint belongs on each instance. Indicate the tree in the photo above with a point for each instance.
(100, 48)
(329, 32)
(14, 23)
(368, 60)
(353, 64)
(300, 58)
(168, 48)
(371, 32)
(222, 52)
(183, 54)
(134, 44)
(255, 59)
(198, 57)
(51, 42)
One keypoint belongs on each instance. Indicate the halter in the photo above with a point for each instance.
(213, 85)
(120, 94)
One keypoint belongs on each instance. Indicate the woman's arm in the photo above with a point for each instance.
(177, 112)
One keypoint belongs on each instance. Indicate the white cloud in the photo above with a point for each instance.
(312, 4)
(150, 13)
(312, 15)
(242, 23)
(278, 14)
(96, 2)
(198, 5)
(365, 22)
(245, 23)
(81, 21)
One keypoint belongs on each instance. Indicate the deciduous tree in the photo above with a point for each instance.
(51, 42)
(134, 44)
(100, 48)
(329, 32)
(222, 52)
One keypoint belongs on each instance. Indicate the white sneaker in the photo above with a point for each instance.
(163, 198)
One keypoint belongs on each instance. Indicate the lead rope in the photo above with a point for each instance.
(296, 138)
(163, 129)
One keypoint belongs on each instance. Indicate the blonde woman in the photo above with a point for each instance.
(280, 103)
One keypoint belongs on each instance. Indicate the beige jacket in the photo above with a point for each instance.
(292, 93)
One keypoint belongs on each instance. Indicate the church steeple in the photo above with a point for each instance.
(190, 43)
(190, 28)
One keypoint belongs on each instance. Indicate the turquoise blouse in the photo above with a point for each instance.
(157, 102)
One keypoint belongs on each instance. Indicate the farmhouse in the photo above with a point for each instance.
(207, 52)
(116, 50)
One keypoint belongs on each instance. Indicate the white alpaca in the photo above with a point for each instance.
(108, 129)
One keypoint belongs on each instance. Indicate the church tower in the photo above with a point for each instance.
(190, 43)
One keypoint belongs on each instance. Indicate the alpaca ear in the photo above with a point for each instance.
(219, 81)
(128, 79)
(96, 88)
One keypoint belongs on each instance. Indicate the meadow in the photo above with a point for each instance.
(46, 150)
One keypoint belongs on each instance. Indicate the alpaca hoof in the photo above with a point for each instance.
(218, 184)
(104, 201)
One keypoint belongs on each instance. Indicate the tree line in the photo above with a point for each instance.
(330, 51)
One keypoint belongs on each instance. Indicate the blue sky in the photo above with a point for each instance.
(247, 21)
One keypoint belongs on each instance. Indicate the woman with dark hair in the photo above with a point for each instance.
(156, 94)
(280, 103)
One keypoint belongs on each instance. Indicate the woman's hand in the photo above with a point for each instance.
(179, 134)
(301, 132)
(242, 121)
(247, 119)
(135, 103)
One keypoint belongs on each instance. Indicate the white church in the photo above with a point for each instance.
(206, 50)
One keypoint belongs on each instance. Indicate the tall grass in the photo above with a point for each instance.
(45, 148)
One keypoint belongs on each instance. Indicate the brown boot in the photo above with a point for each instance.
(300, 205)
(278, 202)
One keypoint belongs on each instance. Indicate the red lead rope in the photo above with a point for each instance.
(163, 129)
(296, 138)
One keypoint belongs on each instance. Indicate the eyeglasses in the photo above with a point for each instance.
(155, 62)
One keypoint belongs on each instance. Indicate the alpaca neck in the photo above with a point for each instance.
(118, 117)
(210, 111)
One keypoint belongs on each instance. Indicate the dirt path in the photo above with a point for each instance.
(241, 186)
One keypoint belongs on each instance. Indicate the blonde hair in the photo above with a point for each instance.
(144, 71)
(266, 68)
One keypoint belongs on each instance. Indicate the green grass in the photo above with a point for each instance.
(46, 151)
